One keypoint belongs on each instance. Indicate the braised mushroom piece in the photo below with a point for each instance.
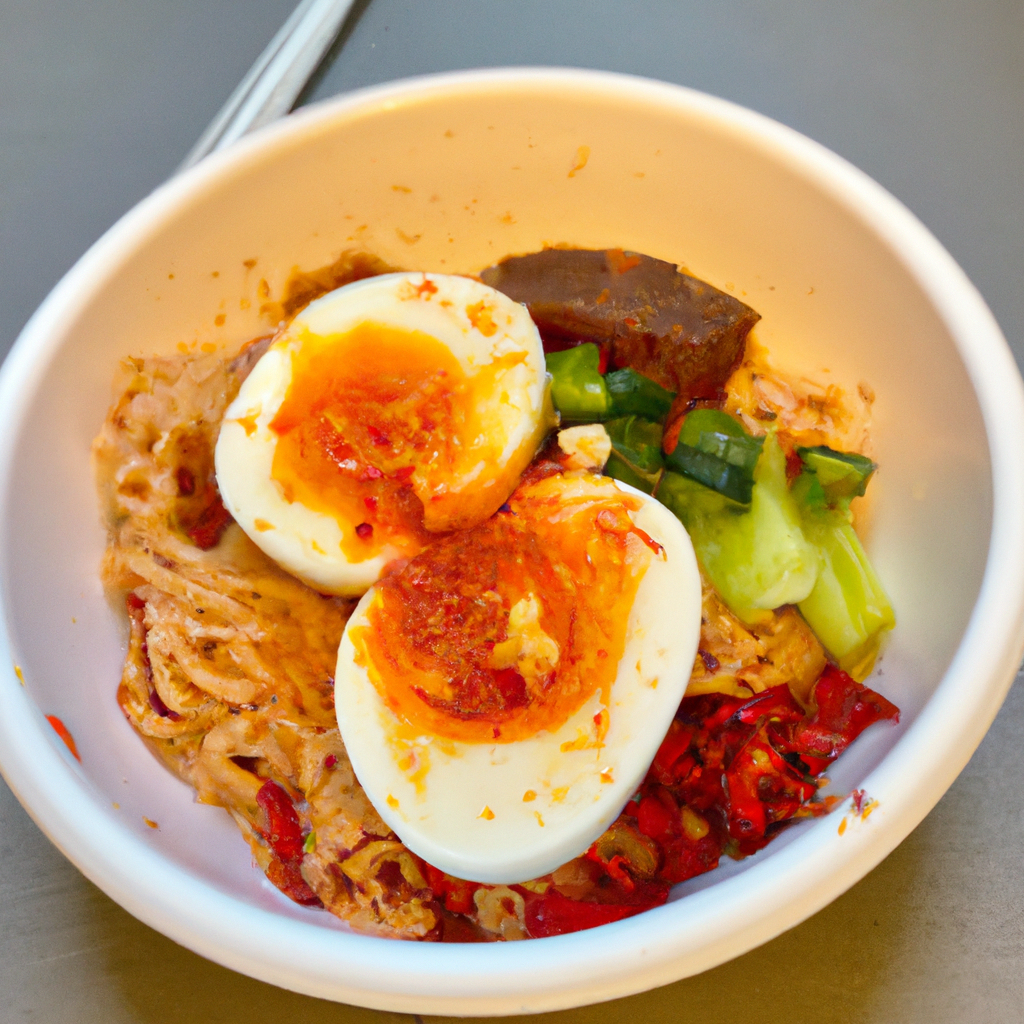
(646, 314)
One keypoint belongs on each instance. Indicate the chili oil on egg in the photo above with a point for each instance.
(387, 411)
(502, 695)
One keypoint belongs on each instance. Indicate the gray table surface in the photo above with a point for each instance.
(100, 100)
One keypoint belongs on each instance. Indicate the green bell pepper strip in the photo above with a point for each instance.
(630, 392)
(848, 608)
(577, 388)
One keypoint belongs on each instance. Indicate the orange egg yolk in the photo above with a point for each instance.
(371, 428)
(493, 634)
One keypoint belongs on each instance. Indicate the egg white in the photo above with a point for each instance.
(307, 542)
(440, 814)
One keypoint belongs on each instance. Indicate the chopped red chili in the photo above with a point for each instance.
(206, 532)
(283, 834)
(728, 776)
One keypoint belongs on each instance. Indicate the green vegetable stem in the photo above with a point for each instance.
(848, 608)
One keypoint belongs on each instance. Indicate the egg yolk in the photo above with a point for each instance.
(371, 428)
(493, 634)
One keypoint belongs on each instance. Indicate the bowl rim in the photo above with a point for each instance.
(722, 921)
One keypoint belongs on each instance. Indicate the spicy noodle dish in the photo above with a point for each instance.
(493, 607)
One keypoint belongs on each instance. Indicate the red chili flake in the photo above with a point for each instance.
(287, 876)
(370, 473)
(404, 473)
(330, 761)
(776, 703)
(282, 832)
(794, 465)
(378, 436)
(186, 482)
(157, 704)
(859, 798)
(653, 818)
(371, 502)
(364, 531)
(456, 894)
(212, 522)
(512, 687)
(602, 358)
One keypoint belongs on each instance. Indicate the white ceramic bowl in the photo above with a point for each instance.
(451, 173)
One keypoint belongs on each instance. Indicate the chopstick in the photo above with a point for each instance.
(274, 82)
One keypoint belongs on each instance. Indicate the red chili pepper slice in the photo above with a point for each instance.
(283, 833)
(555, 914)
(211, 524)
(653, 818)
(287, 876)
(845, 710)
(776, 702)
(456, 894)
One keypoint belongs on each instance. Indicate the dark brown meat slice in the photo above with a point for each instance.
(680, 331)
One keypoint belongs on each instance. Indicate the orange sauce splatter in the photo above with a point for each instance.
(579, 160)
(62, 731)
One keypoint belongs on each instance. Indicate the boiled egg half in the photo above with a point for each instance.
(502, 695)
(387, 411)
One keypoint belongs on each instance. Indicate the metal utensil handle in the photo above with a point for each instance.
(274, 82)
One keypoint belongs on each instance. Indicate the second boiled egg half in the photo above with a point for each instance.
(502, 695)
(388, 411)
